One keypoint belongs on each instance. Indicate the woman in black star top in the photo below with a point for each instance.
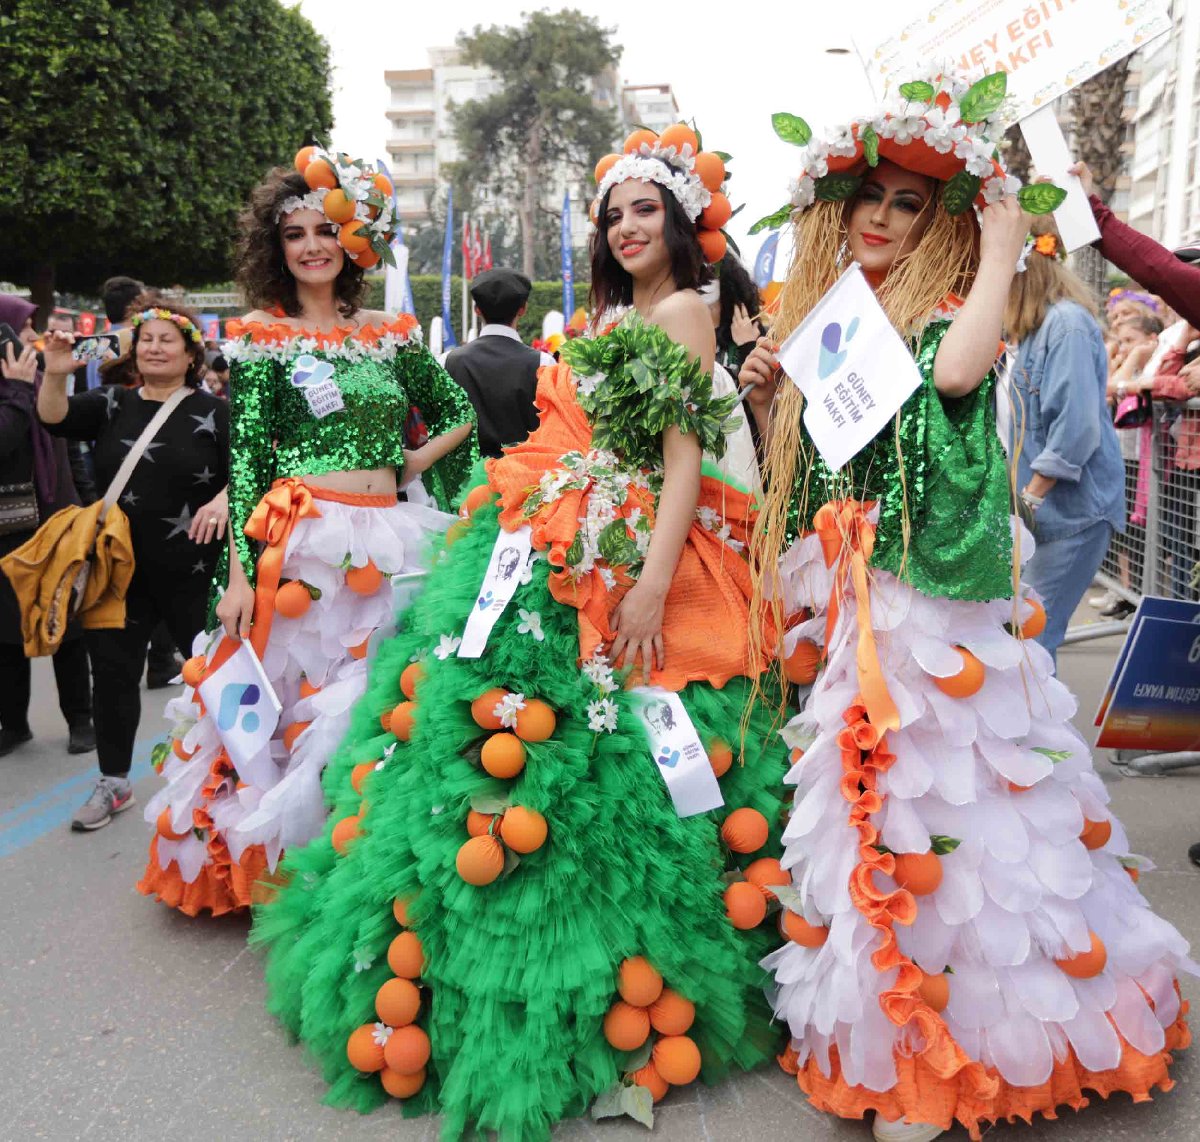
(175, 501)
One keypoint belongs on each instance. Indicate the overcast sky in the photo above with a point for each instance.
(743, 63)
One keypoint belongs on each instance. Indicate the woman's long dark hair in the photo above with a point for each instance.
(612, 286)
(737, 288)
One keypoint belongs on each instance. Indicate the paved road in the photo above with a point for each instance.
(120, 1019)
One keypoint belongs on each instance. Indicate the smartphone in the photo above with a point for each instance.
(8, 336)
(102, 346)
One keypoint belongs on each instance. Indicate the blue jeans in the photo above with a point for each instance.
(1061, 570)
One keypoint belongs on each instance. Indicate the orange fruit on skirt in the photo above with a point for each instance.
(1013, 787)
(407, 1050)
(920, 873)
(397, 1002)
(671, 1014)
(405, 955)
(400, 911)
(475, 499)
(1095, 834)
(359, 652)
(713, 245)
(455, 532)
(794, 756)
(353, 237)
(319, 174)
(800, 931)
(626, 1027)
(716, 213)
(711, 169)
(479, 823)
(480, 860)
(177, 748)
(382, 184)
(720, 757)
(410, 677)
(802, 664)
(638, 982)
(1135, 874)
(677, 1059)
(1036, 623)
(364, 580)
(365, 260)
(967, 681)
(745, 905)
(163, 826)
(935, 990)
(338, 208)
(402, 1086)
(292, 733)
(649, 1077)
(359, 774)
(745, 830)
(604, 166)
(304, 156)
(193, 670)
(402, 720)
(503, 755)
(679, 135)
(765, 872)
(344, 833)
(1086, 964)
(307, 689)
(523, 830)
(362, 1050)
(536, 722)
(483, 709)
(634, 141)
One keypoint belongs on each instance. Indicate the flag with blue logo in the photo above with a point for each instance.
(448, 339)
(764, 264)
(244, 706)
(568, 272)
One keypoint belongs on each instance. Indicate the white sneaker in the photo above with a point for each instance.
(1103, 602)
(902, 1131)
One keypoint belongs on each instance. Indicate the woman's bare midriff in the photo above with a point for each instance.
(375, 482)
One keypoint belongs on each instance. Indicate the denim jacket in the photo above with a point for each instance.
(1058, 393)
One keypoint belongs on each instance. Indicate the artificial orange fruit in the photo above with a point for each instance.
(480, 860)
(1087, 964)
(483, 709)
(1135, 873)
(365, 259)
(649, 1077)
(935, 990)
(354, 237)
(193, 670)
(679, 135)
(359, 774)
(626, 1027)
(475, 499)
(638, 982)
(536, 722)
(720, 757)
(677, 1059)
(178, 749)
(765, 872)
(163, 827)
(397, 1002)
(523, 830)
(385, 720)
(400, 911)
(1036, 622)
(920, 873)
(304, 156)
(456, 531)
(307, 689)
(711, 169)
(407, 1050)
(604, 166)
(671, 1014)
(800, 931)
(320, 175)
(716, 213)
(401, 1086)
(364, 580)
(403, 719)
(635, 140)
(409, 677)
(382, 184)
(713, 245)
(406, 955)
(479, 823)
(967, 681)
(745, 905)
(1095, 834)
(802, 664)
(338, 208)
(503, 755)
(345, 832)
(292, 733)
(364, 1053)
(359, 652)
(745, 830)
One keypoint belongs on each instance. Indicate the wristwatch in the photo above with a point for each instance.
(1032, 500)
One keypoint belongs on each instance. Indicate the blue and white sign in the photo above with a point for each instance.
(764, 264)
(678, 753)
(243, 704)
(448, 339)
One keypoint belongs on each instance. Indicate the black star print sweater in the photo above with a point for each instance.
(184, 467)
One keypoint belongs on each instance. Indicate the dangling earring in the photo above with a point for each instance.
(843, 253)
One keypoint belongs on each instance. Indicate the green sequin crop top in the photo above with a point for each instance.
(306, 404)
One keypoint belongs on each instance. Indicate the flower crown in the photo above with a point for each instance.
(675, 161)
(354, 197)
(939, 124)
(154, 314)
(1117, 294)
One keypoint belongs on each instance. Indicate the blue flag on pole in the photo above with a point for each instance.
(448, 339)
(764, 264)
(568, 273)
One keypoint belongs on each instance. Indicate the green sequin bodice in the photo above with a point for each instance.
(945, 462)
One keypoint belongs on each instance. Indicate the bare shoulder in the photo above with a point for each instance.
(373, 317)
(262, 317)
(685, 318)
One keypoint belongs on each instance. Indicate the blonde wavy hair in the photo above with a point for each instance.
(1045, 281)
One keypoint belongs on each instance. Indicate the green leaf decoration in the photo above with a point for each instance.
(1041, 197)
(639, 1058)
(870, 142)
(731, 243)
(772, 221)
(789, 897)
(511, 861)
(608, 1103)
(942, 845)
(791, 128)
(638, 1103)
(918, 90)
(1055, 755)
(881, 849)
(738, 209)
(984, 98)
(837, 187)
(960, 192)
(485, 804)
(724, 156)
(575, 551)
(158, 754)
(615, 546)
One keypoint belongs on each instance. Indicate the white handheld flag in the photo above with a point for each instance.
(853, 368)
(244, 705)
(677, 751)
(510, 554)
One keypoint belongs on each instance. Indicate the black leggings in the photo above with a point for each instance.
(70, 673)
(119, 657)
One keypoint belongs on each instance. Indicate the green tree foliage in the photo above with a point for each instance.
(133, 131)
(542, 122)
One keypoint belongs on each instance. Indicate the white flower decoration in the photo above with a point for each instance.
(598, 670)
(447, 646)
(531, 623)
(508, 706)
(976, 152)
(996, 188)
(587, 384)
(363, 961)
(803, 191)
(527, 570)
(609, 579)
(678, 176)
(381, 1033)
(602, 716)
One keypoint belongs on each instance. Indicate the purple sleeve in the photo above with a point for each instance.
(16, 414)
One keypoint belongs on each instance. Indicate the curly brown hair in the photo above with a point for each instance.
(123, 371)
(260, 268)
